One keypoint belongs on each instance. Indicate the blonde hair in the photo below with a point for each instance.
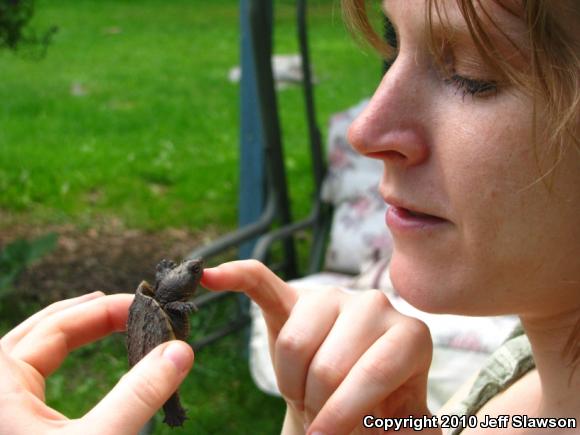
(553, 80)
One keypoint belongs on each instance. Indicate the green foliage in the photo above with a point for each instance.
(14, 15)
(19, 254)
(14, 33)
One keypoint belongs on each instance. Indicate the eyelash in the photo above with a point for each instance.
(473, 87)
(465, 85)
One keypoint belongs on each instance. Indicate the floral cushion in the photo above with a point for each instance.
(358, 232)
(374, 274)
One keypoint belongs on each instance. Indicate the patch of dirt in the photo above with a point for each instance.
(106, 257)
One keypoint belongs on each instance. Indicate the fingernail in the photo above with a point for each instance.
(207, 273)
(178, 354)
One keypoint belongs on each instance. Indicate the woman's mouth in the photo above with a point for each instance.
(400, 219)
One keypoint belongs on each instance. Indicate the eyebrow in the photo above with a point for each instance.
(496, 16)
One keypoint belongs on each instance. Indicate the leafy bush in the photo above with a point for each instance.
(14, 32)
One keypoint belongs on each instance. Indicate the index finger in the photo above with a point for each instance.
(274, 296)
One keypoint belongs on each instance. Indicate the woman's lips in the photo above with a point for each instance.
(402, 219)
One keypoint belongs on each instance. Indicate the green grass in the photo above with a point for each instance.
(130, 115)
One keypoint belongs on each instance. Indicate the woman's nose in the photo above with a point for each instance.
(392, 127)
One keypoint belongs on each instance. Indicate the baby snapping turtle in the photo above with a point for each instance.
(161, 314)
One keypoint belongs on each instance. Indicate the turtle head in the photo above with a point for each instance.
(179, 282)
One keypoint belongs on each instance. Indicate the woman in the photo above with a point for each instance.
(476, 123)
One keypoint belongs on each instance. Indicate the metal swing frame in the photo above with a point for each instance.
(265, 217)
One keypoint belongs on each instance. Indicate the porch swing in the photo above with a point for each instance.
(265, 215)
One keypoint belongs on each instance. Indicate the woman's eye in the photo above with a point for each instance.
(452, 59)
(473, 87)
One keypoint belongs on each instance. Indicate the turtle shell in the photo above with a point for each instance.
(147, 325)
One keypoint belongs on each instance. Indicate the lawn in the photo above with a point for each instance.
(130, 116)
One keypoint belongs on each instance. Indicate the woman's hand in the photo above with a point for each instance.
(337, 356)
(36, 348)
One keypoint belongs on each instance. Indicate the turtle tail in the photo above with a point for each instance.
(174, 412)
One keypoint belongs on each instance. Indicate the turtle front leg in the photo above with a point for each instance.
(178, 312)
(181, 307)
(174, 412)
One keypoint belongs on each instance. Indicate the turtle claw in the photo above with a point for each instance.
(174, 412)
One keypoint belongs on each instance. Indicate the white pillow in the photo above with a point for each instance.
(358, 232)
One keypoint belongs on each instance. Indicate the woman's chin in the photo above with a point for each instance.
(426, 287)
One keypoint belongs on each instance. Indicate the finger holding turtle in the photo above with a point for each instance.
(37, 347)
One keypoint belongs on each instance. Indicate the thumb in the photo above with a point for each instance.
(142, 391)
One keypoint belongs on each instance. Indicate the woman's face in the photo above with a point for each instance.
(476, 228)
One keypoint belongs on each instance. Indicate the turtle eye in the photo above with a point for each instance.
(194, 268)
